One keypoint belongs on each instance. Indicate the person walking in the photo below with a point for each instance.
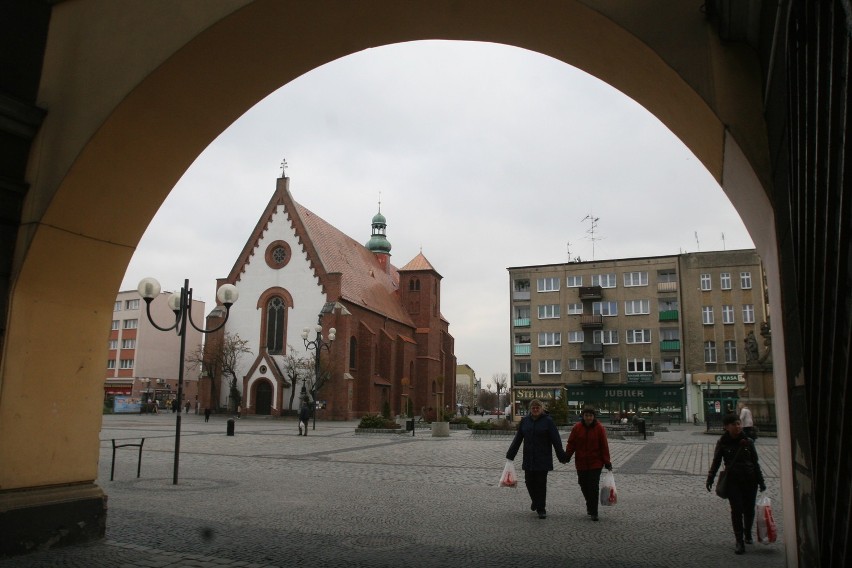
(304, 415)
(748, 421)
(538, 433)
(742, 477)
(587, 441)
(207, 414)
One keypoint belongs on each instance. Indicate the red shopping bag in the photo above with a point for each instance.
(766, 531)
(509, 478)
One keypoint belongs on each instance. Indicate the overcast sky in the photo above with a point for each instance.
(486, 156)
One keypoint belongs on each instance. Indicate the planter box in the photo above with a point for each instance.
(440, 429)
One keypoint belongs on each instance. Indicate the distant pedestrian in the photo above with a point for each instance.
(588, 443)
(742, 478)
(207, 414)
(187, 407)
(175, 405)
(747, 421)
(304, 414)
(538, 433)
(239, 411)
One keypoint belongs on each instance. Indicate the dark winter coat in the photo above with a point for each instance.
(304, 413)
(589, 446)
(746, 469)
(538, 437)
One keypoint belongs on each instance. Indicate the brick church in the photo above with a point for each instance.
(391, 343)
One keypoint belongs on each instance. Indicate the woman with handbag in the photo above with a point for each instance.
(588, 443)
(739, 482)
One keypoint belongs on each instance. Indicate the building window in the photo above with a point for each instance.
(353, 353)
(642, 365)
(727, 314)
(548, 311)
(707, 315)
(635, 279)
(666, 276)
(113, 343)
(638, 336)
(637, 307)
(575, 309)
(605, 336)
(604, 280)
(670, 364)
(725, 280)
(128, 344)
(276, 312)
(414, 285)
(608, 365)
(576, 365)
(745, 280)
(706, 282)
(126, 364)
(549, 367)
(748, 313)
(522, 312)
(730, 351)
(117, 306)
(110, 363)
(669, 334)
(574, 281)
(114, 324)
(709, 351)
(575, 337)
(548, 285)
(608, 309)
(523, 366)
(131, 324)
(131, 304)
(277, 255)
(549, 339)
(668, 304)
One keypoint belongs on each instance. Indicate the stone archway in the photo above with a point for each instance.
(125, 122)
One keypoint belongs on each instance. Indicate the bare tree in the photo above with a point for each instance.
(501, 382)
(220, 359)
(464, 395)
(297, 368)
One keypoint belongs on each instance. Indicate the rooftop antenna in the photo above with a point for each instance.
(593, 225)
(568, 250)
(723, 242)
(697, 244)
(283, 167)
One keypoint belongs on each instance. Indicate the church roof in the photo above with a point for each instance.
(419, 262)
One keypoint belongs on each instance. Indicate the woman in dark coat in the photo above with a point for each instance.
(743, 477)
(587, 441)
(539, 434)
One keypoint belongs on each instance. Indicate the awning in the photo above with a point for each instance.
(381, 382)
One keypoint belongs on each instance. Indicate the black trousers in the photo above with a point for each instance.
(741, 497)
(589, 481)
(536, 482)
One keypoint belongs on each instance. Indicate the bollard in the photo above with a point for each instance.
(230, 426)
(642, 429)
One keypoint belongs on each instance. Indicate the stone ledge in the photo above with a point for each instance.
(492, 433)
(380, 431)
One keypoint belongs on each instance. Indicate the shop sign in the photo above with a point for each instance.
(735, 378)
(529, 394)
(640, 377)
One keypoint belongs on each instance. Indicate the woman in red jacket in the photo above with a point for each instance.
(588, 442)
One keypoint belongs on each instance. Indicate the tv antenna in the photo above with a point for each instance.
(723, 242)
(697, 244)
(593, 225)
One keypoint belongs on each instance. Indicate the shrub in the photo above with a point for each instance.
(376, 421)
(481, 426)
(463, 420)
(386, 410)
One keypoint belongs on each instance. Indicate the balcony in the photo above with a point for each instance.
(590, 292)
(591, 320)
(522, 378)
(522, 322)
(669, 315)
(590, 348)
(666, 286)
(592, 377)
(523, 348)
(670, 345)
(517, 295)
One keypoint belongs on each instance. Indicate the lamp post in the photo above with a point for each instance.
(181, 305)
(318, 344)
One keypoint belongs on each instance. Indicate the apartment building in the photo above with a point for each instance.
(142, 361)
(628, 335)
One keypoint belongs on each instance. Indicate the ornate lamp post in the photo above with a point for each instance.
(181, 305)
(317, 345)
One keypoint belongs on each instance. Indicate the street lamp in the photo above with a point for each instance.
(181, 305)
(317, 345)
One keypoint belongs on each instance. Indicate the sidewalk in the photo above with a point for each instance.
(267, 497)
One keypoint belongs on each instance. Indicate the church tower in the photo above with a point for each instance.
(378, 243)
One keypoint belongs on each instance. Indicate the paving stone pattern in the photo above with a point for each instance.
(267, 497)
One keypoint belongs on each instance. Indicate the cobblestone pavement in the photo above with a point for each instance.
(267, 497)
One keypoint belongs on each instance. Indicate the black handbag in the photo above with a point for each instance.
(722, 484)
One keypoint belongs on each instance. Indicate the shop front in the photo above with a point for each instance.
(720, 393)
(545, 393)
(616, 401)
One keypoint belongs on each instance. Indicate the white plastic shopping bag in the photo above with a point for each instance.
(766, 531)
(609, 496)
(509, 478)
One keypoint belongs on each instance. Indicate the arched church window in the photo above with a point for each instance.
(353, 353)
(276, 312)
